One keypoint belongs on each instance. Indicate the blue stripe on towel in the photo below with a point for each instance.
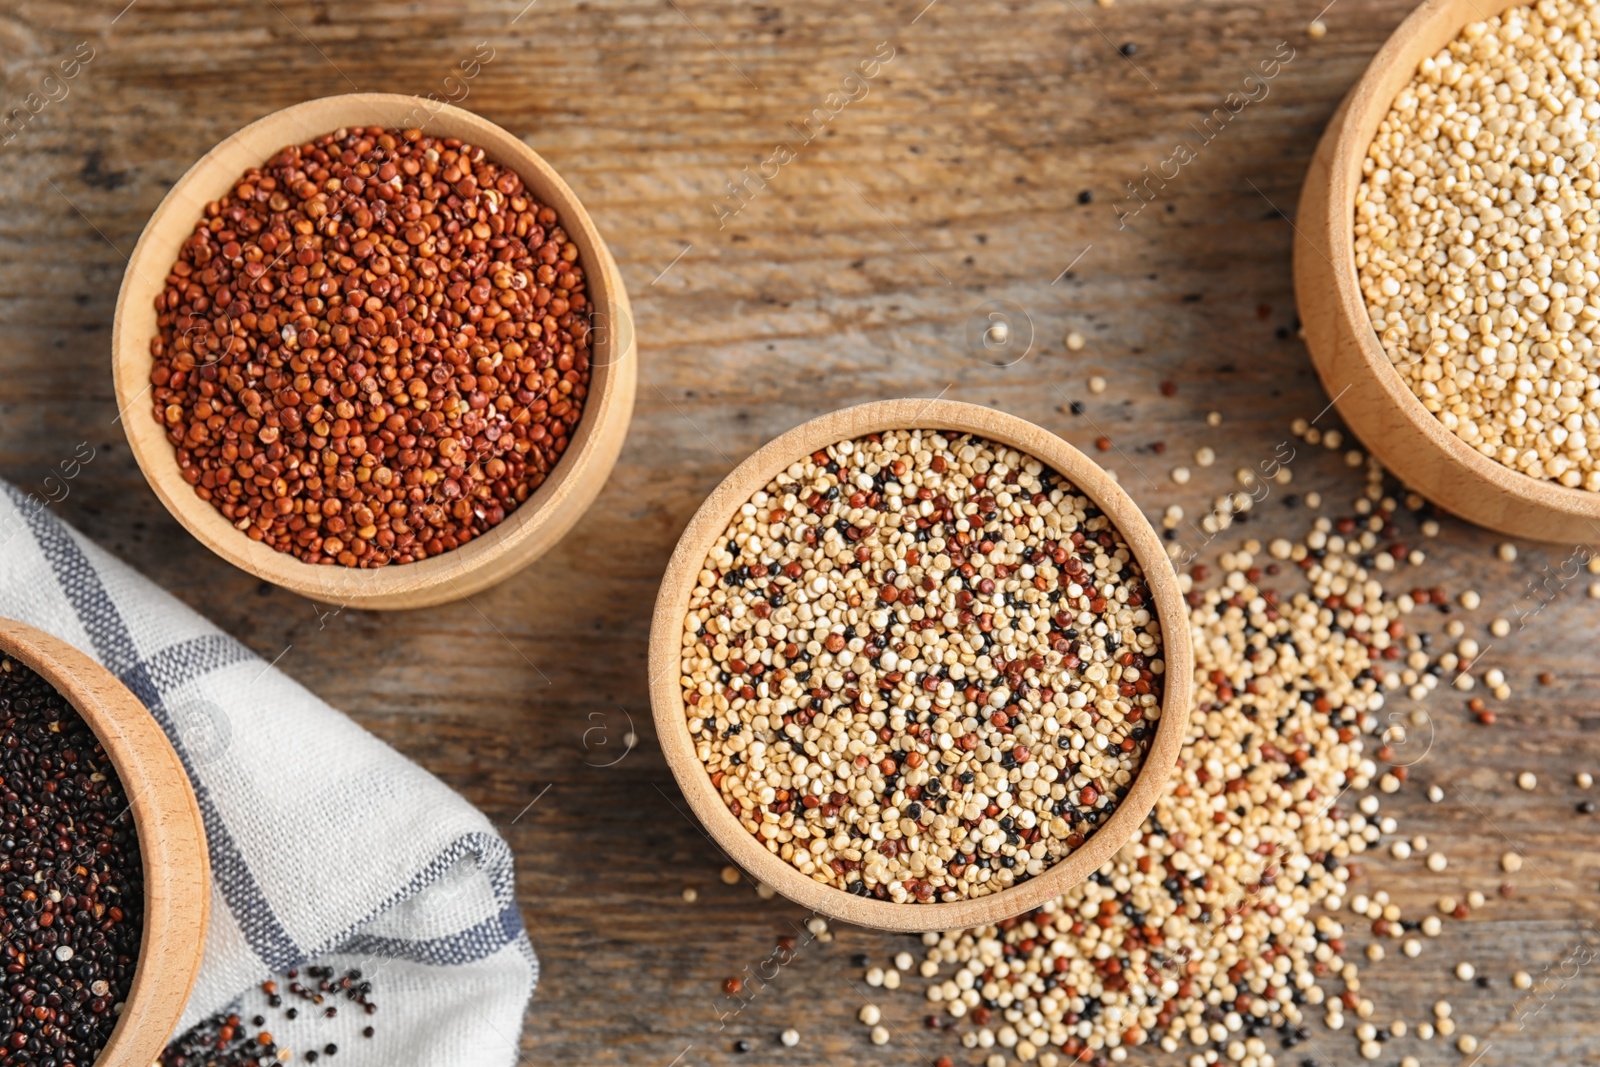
(114, 646)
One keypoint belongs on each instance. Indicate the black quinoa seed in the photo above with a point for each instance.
(71, 879)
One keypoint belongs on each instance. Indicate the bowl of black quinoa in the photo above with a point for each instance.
(104, 877)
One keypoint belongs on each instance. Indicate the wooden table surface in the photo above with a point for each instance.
(984, 163)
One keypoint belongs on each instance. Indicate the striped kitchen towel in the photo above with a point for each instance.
(327, 846)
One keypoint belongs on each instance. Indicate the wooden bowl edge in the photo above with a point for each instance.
(171, 835)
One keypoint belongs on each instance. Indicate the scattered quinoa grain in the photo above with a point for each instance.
(1527, 781)
(1075, 341)
(1510, 862)
(790, 1037)
(1097, 384)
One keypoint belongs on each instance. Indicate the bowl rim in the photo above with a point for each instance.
(1331, 187)
(531, 528)
(709, 522)
(171, 833)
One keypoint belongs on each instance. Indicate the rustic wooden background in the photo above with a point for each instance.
(853, 275)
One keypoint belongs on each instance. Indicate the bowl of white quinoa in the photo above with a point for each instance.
(920, 665)
(1446, 263)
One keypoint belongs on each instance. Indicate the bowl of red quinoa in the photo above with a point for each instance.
(373, 349)
(920, 665)
(103, 916)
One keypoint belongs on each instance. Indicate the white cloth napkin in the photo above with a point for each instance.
(327, 846)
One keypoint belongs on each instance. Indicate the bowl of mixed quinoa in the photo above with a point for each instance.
(918, 665)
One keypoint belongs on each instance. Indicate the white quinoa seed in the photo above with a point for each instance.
(1500, 627)
(730, 876)
(1075, 341)
(1465, 971)
(1180, 475)
(1506, 551)
(1213, 418)
(790, 1037)
(869, 1014)
(690, 894)
(920, 666)
(1437, 861)
(1527, 781)
(1583, 779)
(1097, 384)
(1511, 862)
(1204, 457)
(879, 1036)
(1522, 980)
(1476, 257)
(1474, 898)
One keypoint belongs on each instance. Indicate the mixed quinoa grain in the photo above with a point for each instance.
(72, 909)
(921, 666)
(1477, 239)
(373, 348)
(1217, 927)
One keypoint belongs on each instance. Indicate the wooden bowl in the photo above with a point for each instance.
(708, 525)
(1373, 399)
(172, 839)
(529, 531)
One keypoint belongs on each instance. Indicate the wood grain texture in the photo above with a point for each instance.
(709, 526)
(964, 162)
(1373, 398)
(172, 838)
(532, 528)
